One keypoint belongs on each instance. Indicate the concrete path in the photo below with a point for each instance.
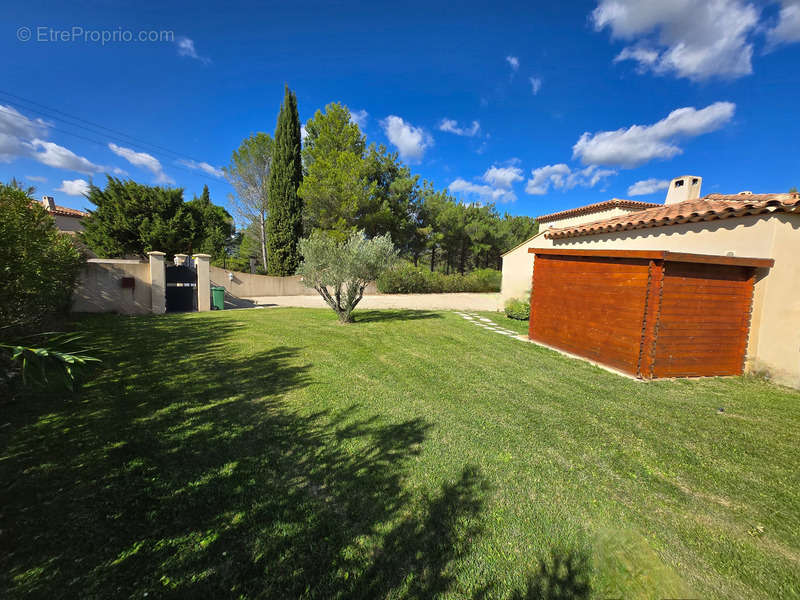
(490, 325)
(464, 302)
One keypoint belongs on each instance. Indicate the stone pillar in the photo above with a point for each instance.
(202, 263)
(158, 283)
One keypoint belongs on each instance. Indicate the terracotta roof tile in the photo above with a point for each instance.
(597, 207)
(68, 212)
(708, 208)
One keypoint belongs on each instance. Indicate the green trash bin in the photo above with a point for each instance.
(217, 297)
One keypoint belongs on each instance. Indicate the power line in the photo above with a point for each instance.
(116, 133)
(115, 137)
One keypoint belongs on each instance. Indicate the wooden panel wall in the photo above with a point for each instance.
(592, 307)
(704, 320)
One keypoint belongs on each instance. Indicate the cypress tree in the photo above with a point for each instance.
(285, 217)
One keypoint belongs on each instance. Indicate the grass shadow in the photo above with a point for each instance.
(377, 316)
(179, 478)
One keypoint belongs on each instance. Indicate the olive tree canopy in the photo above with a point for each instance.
(340, 270)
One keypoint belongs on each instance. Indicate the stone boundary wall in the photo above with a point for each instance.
(99, 287)
(249, 285)
(132, 287)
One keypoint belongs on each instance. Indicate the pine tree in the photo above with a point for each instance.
(285, 218)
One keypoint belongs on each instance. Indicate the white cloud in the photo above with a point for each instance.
(359, 117)
(502, 177)
(53, 155)
(542, 177)
(22, 137)
(561, 176)
(787, 29)
(513, 61)
(411, 142)
(646, 187)
(536, 84)
(639, 144)
(143, 160)
(74, 187)
(696, 40)
(16, 130)
(451, 126)
(36, 178)
(186, 48)
(202, 166)
(12, 147)
(485, 193)
(303, 133)
(14, 123)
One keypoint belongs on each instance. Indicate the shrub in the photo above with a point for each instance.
(518, 308)
(340, 270)
(38, 264)
(52, 352)
(408, 279)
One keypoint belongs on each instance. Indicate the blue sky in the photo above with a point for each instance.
(539, 107)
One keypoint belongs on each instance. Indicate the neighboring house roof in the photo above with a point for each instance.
(597, 207)
(68, 212)
(708, 208)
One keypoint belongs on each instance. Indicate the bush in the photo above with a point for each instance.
(340, 270)
(518, 308)
(408, 279)
(38, 264)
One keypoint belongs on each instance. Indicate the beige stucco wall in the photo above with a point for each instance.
(774, 345)
(518, 270)
(100, 289)
(247, 285)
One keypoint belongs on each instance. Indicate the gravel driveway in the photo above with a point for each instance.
(406, 301)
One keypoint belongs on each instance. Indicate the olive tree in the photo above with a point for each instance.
(340, 270)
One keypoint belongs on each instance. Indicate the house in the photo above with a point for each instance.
(67, 220)
(518, 263)
(694, 286)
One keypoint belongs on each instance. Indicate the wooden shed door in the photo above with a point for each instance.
(704, 320)
(590, 306)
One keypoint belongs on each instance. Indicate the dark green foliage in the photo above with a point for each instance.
(212, 226)
(38, 264)
(35, 358)
(461, 237)
(349, 187)
(518, 308)
(408, 279)
(285, 217)
(793, 189)
(131, 219)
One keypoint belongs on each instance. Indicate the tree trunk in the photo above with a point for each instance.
(263, 243)
(433, 257)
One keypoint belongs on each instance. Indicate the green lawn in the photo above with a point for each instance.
(277, 454)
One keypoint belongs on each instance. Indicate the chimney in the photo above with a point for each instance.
(49, 203)
(686, 187)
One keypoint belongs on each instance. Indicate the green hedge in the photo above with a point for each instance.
(408, 279)
(518, 308)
